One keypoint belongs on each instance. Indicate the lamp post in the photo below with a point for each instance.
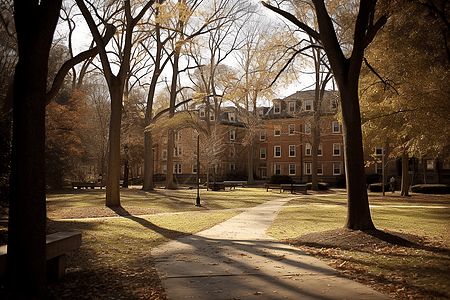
(197, 202)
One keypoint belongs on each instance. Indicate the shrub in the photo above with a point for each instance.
(280, 179)
(236, 175)
(431, 189)
(373, 178)
(323, 186)
(377, 187)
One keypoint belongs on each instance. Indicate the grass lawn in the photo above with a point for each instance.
(425, 271)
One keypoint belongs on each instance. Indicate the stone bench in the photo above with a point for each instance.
(57, 245)
(86, 185)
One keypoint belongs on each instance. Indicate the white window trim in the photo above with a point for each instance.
(261, 153)
(334, 148)
(275, 131)
(311, 105)
(308, 148)
(275, 151)
(321, 168)
(293, 131)
(289, 106)
(295, 169)
(320, 150)
(338, 126)
(275, 168)
(308, 167)
(232, 135)
(275, 105)
(262, 135)
(334, 169)
(194, 169)
(291, 146)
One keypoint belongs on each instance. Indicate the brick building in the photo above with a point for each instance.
(281, 145)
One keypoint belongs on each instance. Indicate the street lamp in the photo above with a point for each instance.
(197, 202)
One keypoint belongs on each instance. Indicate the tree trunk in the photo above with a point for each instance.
(112, 184)
(358, 213)
(170, 170)
(250, 179)
(26, 261)
(405, 175)
(148, 162)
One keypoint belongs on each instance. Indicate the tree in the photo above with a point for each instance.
(116, 85)
(346, 67)
(26, 261)
(403, 98)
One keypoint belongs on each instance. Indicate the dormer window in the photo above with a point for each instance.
(277, 108)
(291, 106)
(232, 117)
(202, 113)
(308, 105)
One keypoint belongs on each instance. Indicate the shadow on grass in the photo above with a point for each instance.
(167, 233)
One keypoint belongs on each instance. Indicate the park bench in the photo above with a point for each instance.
(216, 186)
(232, 184)
(293, 187)
(57, 245)
(86, 185)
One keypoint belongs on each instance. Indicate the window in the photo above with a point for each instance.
(276, 108)
(336, 149)
(307, 129)
(446, 165)
(277, 151)
(378, 168)
(232, 117)
(308, 105)
(291, 169)
(430, 164)
(175, 151)
(277, 169)
(177, 168)
(211, 116)
(308, 149)
(291, 150)
(194, 169)
(319, 151)
(164, 167)
(336, 168)
(179, 151)
(277, 131)
(334, 104)
(262, 153)
(263, 173)
(308, 168)
(232, 152)
(291, 106)
(336, 128)
(232, 135)
(232, 167)
(202, 113)
(262, 135)
(291, 129)
(319, 169)
(164, 154)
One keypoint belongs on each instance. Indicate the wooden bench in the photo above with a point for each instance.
(293, 187)
(57, 245)
(216, 186)
(232, 184)
(86, 185)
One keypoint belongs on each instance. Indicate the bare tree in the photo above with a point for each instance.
(346, 66)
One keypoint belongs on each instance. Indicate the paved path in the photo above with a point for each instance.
(236, 260)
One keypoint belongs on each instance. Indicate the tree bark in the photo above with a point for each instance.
(112, 183)
(26, 261)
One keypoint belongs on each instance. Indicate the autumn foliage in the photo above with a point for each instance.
(63, 144)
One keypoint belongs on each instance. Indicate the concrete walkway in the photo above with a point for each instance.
(236, 260)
